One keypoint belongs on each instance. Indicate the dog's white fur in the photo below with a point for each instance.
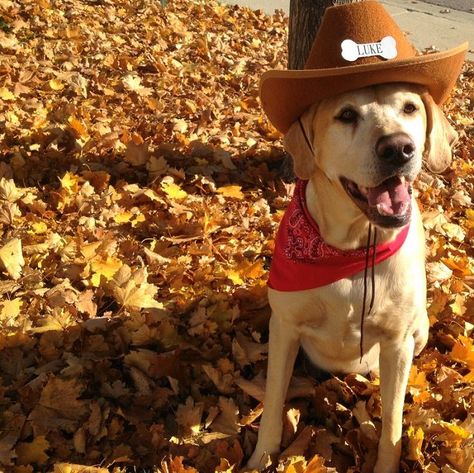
(326, 321)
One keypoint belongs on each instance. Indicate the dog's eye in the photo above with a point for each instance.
(347, 115)
(410, 108)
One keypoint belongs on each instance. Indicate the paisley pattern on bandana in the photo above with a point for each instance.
(304, 242)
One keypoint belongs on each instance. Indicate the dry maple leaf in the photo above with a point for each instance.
(9, 191)
(189, 415)
(136, 293)
(33, 452)
(73, 468)
(227, 421)
(11, 258)
(10, 311)
(61, 395)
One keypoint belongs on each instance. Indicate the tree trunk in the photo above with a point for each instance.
(305, 17)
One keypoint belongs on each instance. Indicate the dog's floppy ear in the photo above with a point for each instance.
(440, 136)
(299, 142)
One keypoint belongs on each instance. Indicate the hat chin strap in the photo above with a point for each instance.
(305, 136)
(372, 278)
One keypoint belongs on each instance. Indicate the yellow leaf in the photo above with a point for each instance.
(138, 297)
(234, 192)
(180, 126)
(459, 263)
(56, 84)
(39, 228)
(246, 270)
(5, 94)
(58, 320)
(173, 191)
(70, 182)
(123, 217)
(470, 214)
(73, 468)
(234, 276)
(137, 293)
(463, 351)
(418, 386)
(11, 258)
(78, 127)
(32, 452)
(316, 465)
(415, 442)
(458, 306)
(104, 267)
(10, 310)
(9, 191)
(139, 218)
(454, 232)
(254, 270)
(132, 82)
(297, 465)
(459, 432)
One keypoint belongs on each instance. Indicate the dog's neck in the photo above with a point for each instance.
(340, 222)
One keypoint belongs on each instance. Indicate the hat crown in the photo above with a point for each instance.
(364, 23)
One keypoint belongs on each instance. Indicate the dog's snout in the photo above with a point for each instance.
(397, 148)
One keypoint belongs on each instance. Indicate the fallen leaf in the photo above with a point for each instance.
(234, 192)
(33, 452)
(11, 258)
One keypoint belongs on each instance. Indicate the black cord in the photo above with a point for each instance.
(305, 136)
(364, 299)
(374, 253)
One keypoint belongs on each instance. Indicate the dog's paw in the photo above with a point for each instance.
(388, 462)
(383, 468)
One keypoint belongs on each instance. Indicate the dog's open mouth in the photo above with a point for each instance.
(387, 205)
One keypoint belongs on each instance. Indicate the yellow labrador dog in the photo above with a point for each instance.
(360, 152)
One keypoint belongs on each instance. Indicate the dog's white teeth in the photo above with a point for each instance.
(402, 179)
(364, 191)
(382, 210)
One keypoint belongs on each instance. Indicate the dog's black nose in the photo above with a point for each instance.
(397, 148)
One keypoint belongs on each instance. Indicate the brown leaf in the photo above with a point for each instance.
(61, 395)
(33, 452)
(10, 436)
(227, 421)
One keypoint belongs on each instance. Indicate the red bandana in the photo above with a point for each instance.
(303, 260)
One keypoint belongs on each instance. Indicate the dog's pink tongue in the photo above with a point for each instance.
(391, 197)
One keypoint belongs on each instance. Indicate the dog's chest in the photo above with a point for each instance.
(334, 312)
(328, 318)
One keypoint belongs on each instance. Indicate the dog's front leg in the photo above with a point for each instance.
(395, 363)
(282, 351)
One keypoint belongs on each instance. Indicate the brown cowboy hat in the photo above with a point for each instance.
(357, 45)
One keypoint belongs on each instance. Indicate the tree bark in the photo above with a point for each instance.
(305, 17)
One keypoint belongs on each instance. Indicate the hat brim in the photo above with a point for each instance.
(286, 94)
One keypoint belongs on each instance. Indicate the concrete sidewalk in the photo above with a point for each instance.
(435, 23)
(429, 25)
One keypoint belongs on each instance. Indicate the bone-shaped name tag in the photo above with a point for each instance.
(386, 48)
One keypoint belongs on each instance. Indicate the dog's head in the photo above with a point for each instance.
(371, 143)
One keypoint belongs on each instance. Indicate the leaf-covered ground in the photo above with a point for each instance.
(140, 191)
